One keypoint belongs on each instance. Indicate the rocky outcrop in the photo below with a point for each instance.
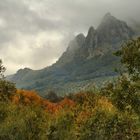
(109, 34)
(91, 39)
(111, 30)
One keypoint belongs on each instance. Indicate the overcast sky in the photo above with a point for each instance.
(34, 33)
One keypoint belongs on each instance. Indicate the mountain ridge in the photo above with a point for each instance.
(87, 58)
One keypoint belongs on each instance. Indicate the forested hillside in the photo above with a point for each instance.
(108, 113)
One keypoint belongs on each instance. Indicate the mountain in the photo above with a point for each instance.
(87, 60)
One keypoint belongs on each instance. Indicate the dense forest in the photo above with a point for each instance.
(109, 113)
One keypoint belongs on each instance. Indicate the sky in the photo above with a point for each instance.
(35, 33)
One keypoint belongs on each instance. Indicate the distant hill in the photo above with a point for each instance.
(87, 60)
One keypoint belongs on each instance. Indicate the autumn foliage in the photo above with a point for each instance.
(112, 113)
(80, 116)
(26, 97)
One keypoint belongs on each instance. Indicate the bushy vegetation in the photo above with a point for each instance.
(110, 113)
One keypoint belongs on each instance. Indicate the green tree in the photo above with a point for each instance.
(130, 57)
(2, 69)
(53, 97)
(125, 92)
(7, 89)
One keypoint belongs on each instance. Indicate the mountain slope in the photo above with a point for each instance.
(87, 60)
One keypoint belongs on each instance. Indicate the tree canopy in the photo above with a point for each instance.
(2, 69)
(130, 56)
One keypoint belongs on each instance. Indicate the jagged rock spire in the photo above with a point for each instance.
(91, 38)
(111, 30)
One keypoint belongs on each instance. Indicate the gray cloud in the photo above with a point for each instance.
(34, 33)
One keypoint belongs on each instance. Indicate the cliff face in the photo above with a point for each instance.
(87, 59)
(109, 34)
(112, 30)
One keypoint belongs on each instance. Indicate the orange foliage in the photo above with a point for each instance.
(56, 107)
(67, 103)
(30, 97)
(27, 97)
(51, 107)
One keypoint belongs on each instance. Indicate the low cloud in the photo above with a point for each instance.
(35, 33)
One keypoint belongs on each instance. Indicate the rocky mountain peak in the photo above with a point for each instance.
(111, 30)
(108, 17)
(91, 39)
(91, 31)
(80, 39)
(24, 70)
(76, 43)
(98, 41)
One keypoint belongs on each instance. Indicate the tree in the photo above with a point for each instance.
(130, 57)
(2, 69)
(7, 89)
(125, 92)
(52, 96)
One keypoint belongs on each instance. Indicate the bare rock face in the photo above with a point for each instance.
(91, 39)
(111, 30)
(108, 36)
(73, 47)
(98, 42)
(76, 43)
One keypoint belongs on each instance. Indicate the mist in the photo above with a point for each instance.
(35, 33)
